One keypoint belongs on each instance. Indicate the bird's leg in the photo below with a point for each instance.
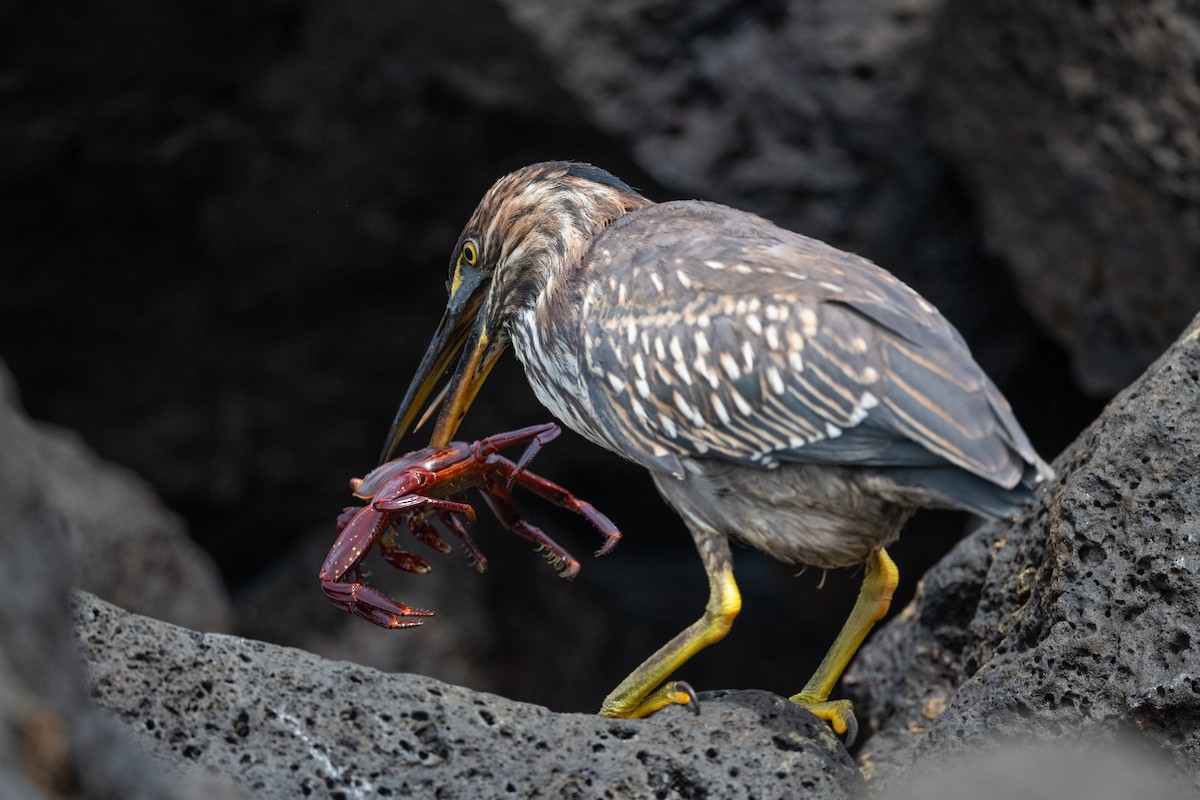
(872, 604)
(644, 691)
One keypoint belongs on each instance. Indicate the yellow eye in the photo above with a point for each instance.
(470, 254)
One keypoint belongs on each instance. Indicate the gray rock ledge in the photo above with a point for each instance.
(285, 724)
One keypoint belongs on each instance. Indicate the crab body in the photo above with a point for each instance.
(407, 492)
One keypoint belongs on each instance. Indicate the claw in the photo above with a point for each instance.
(840, 716)
(373, 605)
(693, 702)
(409, 562)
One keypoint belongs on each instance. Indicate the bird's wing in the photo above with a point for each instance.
(725, 336)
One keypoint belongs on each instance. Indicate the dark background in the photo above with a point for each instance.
(224, 231)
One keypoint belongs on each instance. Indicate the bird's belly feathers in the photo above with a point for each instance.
(798, 513)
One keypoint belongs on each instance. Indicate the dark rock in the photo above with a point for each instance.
(134, 552)
(53, 743)
(805, 112)
(1061, 771)
(284, 723)
(261, 241)
(1077, 126)
(1078, 622)
(798, 107)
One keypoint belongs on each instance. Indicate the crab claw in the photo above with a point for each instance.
(415, 501)
(407, 561)
(372, 605)
(347, 514)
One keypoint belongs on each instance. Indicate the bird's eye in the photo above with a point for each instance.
(470, 254)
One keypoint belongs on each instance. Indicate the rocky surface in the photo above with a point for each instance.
(804, 111)
(1077, 128)
(53, 743)
(1079, 622)
(796, 108)
(131, 550)
(1060, 771)
(286, 724)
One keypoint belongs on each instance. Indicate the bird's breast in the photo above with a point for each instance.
(552, 366)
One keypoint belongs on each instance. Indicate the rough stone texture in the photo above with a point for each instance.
(1077, 126)
(53, 744)
(1078, 622)
(134, 552)
(285, 724)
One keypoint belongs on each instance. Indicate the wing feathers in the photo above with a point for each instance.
(763, 346)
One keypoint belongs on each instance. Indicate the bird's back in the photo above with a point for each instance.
(710, 333)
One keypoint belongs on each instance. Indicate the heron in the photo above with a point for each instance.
(779, 391)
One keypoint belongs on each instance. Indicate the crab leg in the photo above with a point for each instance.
(414, 501)
(456, 527)
(398, 557)
(538, 435)
(372, 605)
(427, 534)
(511, 517)
(553, 493)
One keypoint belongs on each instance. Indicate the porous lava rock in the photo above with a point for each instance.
(53, 742)
(1077, 128)
(284, 723)
(1078, 622)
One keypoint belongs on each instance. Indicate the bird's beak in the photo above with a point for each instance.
(462, 325)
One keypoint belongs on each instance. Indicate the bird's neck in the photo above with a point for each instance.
(544, 263)
(548, 300)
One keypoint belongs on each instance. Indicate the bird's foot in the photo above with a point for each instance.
(838, 713)
(671, 693)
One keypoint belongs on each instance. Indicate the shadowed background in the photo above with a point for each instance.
(224, 232)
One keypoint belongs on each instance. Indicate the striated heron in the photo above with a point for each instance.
(779, 390)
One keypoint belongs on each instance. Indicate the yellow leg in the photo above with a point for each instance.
(644, 691)
(872, 604)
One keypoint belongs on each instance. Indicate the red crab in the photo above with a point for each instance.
(416, 486)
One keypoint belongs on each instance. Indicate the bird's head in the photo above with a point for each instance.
(532, 228)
